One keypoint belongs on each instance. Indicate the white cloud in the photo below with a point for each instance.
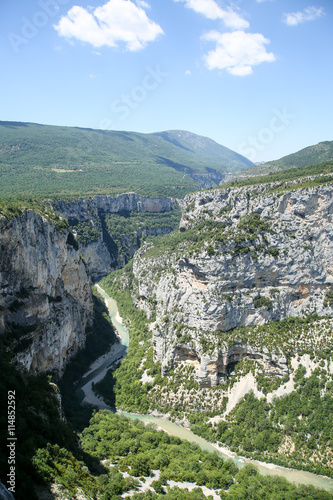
(237, 52)
(308, 14)
(114, 22)
(211, 10)
(143, 4)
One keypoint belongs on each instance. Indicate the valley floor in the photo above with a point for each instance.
(116, 352)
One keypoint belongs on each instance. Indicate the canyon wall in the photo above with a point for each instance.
(244, 257)
(45, 297)
(100, 251)
(45, 274)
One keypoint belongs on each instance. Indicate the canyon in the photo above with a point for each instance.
(45, 299)
(285, 261)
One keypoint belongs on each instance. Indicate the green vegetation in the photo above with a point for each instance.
(37, 422)
(128, 229)
(253, 223)
(294, 431)
(262, 302)
(122, 387)
(87, 232)
(248, 485)
(300, 159)
(328, 301)
(99, 339)
(47, 161)
(321, 171)
(216, 237)
(42, 207)
(57, 465)
(132, 447)
(295, 335)
(139, 449)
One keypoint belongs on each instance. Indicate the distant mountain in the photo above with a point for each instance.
(44, 160)
(311, 155)
(205, 148)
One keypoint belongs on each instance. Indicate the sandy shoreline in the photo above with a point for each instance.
(99, 361)
(89, 395)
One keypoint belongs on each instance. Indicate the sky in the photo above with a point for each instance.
(254, 75)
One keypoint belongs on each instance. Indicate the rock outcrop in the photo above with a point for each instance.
(80, 208)
(45, 297)
(101, 253)
(245, 256)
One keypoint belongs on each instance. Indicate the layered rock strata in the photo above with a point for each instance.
(263, 253)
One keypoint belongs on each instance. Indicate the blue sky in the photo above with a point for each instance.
(254, 75)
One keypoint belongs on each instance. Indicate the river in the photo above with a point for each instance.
(101, 366)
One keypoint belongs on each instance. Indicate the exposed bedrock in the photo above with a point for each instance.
(268, 255)
(102, 255)
(45, 295)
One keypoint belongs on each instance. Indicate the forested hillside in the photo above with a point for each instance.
(311, 155)
(48, 161)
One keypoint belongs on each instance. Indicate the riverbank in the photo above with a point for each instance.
(292, 475)
(97, 367)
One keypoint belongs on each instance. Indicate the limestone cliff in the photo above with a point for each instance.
(45, 296)
(97, 245)
(243, 257)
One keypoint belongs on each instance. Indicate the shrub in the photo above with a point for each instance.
(262, 301)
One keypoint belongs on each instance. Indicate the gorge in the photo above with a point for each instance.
(234, 300)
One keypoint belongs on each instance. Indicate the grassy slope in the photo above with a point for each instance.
(42, 160)
(322, 171)
(319, 153)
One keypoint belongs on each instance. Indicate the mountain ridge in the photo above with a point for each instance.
(71, 161)
(310, 155)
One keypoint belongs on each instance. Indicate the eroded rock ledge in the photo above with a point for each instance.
(245, 257)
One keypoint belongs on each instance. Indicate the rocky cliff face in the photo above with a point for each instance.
(100, 251)
(45, 296)
(128, 202)
(243, 257)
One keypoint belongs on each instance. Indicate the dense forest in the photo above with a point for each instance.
(62, 162)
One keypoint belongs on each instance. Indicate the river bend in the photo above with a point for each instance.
(101, 365)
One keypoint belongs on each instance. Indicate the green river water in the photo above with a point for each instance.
(292, 475)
